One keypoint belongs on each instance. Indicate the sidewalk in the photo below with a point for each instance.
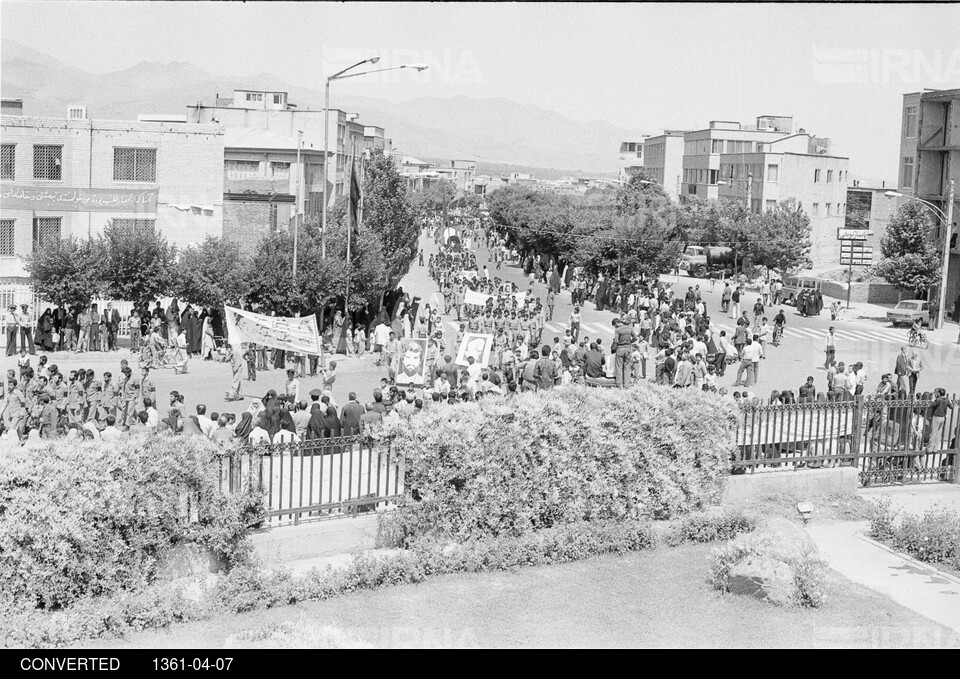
(919, 587)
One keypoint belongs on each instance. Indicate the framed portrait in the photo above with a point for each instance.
(412, 363)
(477, 345)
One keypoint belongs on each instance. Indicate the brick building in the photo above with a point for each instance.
(63, 177)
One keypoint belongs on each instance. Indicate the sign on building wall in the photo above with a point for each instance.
(14, 197)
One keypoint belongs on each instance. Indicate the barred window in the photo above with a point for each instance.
(47, 162)
(280, 170)
(273, 216)
(8, 227)
(242, 169)
(8, 169)
(135, 224)
(45, 230)
(134, 165)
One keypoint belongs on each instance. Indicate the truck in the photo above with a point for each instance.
(699, 261)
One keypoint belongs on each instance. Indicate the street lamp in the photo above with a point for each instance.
(947, 218)
(723, 182)
(341, 75)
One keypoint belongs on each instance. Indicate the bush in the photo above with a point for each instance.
(82, 520)
(933, 538)
(709, 527)
(577, 454)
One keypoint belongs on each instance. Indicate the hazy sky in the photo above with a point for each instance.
(839, 70)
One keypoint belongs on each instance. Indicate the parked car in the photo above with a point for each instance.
(794, 285)
(909, 310)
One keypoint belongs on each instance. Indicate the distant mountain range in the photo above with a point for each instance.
(494, 132)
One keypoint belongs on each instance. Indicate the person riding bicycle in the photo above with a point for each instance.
(779, 322)
(916, 330)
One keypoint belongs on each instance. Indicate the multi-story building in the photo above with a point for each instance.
(267, 110)
(486, 184)
(797, 166)
(631, 159)
(703, 148)
(870, 209)
(459, 172)
(375, 138)
(62, 177)
(263, 174)
(929, 159)
(663, 160)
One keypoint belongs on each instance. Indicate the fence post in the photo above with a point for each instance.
(856, 439)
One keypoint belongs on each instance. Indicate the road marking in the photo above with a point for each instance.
(551, 327)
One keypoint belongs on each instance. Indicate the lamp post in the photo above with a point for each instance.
(947, 218)
(726, 182)
(340, 75)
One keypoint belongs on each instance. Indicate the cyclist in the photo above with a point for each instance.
(916, 331)
(779, 322)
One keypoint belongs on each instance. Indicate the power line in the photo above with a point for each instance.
(615, 238)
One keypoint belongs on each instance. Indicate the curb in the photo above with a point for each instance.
(919, 564)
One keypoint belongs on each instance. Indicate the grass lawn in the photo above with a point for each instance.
(656, 598)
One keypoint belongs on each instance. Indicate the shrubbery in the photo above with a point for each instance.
(577, 454)
(933, 537)
(709, 527)
(79, 520)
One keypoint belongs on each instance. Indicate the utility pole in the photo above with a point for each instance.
(296, 215)
(750, 192)
(326, 168)
(945, 272)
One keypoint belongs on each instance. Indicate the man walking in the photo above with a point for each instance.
(11, 327)
(735, 306)
(623, 339)
(830, 347)
(902, 370)
(938, 418)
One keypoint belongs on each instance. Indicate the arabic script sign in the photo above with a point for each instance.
(279, 332)
(14, 197)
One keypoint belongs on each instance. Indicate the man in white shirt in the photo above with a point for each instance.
(474, 369)
(153, 417)
(301, 418)
(765, 332)
(293, 386)
(110, 432)
(206, 424)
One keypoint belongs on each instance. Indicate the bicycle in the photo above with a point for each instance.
(151, 358)
(777, 335)
(917, 339)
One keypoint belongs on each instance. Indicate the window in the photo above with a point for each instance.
(254, 96)
(910, 121)
(45, 230)
(773, 173)
(273, 216)
(816, 176)
(47, 162)
(717, 146)
(906, 172)
(829, 176)
(714, 176)
(8, 167)
(134, 165)
(280, 170)
(8, 228)
(816, 209)
(826, 209)
(135, 224)
(242, 169)
(277, 98)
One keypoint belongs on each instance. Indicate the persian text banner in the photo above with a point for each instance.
(14, 197)
(279, 332)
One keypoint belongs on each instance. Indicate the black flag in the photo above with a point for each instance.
(353, 205)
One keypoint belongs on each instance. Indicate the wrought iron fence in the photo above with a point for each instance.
(887, 440)
(316, 479)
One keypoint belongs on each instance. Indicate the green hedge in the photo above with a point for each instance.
(933, 537)
(81, 520)
(508, 467)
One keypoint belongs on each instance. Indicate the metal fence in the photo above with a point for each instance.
(888, 441)
(316, 479)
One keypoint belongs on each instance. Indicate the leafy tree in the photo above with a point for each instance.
(210, 274)
(643, 243)
(388, 214)
(910, 258)
(641, 191)
(138, 264)
(67, 271)
(779, 238)
(267, 277)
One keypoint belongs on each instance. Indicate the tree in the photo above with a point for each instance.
(779, 238)
(67, 271)
(910, 258)
(210, 274)
(640, 244)
(388, 214)
(138, 264)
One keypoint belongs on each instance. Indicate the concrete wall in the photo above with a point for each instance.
(869, 293)
(800, 484)
(189, 176)
(248, 221)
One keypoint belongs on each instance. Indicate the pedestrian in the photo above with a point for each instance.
(830, 347)
(916, 365)
(938, 418)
